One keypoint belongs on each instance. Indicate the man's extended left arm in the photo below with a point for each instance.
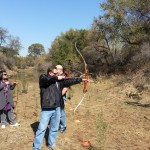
(71, 81)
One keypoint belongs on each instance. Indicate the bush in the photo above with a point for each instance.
(2, 60)
(42, 67)
(10, 63)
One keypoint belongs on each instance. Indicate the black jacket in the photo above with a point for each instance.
(48, 89)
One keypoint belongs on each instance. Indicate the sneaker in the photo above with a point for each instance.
(62, 130)
(3, 126)
(53, 148)
(15, 125)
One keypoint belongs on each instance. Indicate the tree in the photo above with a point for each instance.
(63, 47)
(13, 46)
(130, 20)
(9, 45)
(9, 48)
(121, 32)
(36, 50)
(3, 35)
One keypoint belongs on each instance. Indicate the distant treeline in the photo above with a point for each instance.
(117, 41)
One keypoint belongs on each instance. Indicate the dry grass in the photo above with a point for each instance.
(108, 118)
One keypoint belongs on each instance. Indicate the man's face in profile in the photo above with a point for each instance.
(55, 72)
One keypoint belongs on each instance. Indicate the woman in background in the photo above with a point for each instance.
(6, 101)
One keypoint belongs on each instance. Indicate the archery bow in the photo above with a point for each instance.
(85, 77)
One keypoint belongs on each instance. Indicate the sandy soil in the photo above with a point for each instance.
(107, 118)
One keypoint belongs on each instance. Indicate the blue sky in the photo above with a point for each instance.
(41, 21)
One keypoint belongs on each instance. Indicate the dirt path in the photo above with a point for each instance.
(104, 119)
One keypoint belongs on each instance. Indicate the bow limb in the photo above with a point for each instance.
(85, 70)
(85, 76)
(80, 55)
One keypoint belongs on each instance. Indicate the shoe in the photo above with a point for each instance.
(69, 98)
(53, 148)
(62, 130)
(15, 125)
(3, 126)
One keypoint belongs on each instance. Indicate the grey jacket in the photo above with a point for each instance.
(3, 101)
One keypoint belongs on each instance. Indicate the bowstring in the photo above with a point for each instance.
(79, 103)
(85, 70)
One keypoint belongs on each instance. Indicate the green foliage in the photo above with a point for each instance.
(3, 36)
(30, 62)
(117, 40)
(3, 60)
(9, 49)
(42, 63)
(129, 19)
(36, 50)
(63, 48)
(10, 63)
(21, 62)
(13, 46)
(119, 35)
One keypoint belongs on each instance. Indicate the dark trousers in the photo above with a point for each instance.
(7, 115)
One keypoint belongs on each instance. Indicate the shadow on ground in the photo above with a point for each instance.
(34, 127)
(138, 104)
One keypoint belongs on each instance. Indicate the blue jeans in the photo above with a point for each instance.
(62, 125)
(52, 115)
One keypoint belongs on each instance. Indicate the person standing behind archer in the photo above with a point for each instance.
(51, 102)
(6, 101)
(63, 124)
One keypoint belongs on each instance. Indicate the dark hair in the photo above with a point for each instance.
(50, 69)
(1, 74)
